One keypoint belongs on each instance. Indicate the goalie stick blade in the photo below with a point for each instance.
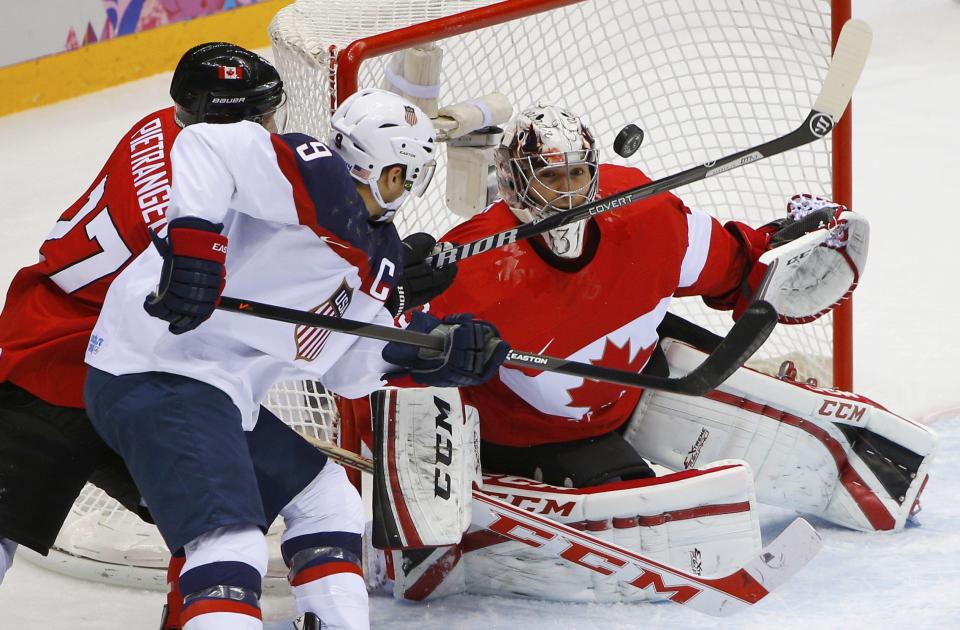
(747, 335)
(788, 553)
(849, 57)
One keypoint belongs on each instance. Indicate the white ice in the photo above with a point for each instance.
(906, 167)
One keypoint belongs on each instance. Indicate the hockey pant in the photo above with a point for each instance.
(833, 454)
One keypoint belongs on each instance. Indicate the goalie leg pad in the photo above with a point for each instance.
(702, 521)
(425, 447)
(834, 454)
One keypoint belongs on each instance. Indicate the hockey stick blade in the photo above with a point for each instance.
(720, 596)
(849, 57)
(750, 331)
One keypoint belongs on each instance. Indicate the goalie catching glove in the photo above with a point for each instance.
(419, 282)
(806, 263)
(472, 352)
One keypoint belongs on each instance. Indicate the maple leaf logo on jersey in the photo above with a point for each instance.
(596, 395)
(310, 339)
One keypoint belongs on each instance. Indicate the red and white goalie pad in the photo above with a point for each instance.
(826, 452)
(700, 521)
(426, 447)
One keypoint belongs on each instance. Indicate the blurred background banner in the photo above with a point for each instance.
(51, 50)
(37, 28)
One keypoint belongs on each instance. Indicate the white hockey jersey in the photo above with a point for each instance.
(299, 237)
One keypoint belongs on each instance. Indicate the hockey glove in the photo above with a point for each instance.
(420, 282)
(472, 352)
(193, 273)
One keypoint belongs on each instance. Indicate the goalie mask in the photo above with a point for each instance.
(374, 130)
(547, 163)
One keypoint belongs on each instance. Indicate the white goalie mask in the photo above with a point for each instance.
(374, 130)
(547, 163)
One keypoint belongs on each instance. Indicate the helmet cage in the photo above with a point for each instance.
(527, 170)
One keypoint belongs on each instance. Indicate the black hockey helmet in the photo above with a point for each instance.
(218, 82)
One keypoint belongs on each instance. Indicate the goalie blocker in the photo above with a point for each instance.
(825, 452)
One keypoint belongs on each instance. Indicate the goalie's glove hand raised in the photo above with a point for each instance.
(193, 273)
(472, 352)
(806, 213)
(420, 282)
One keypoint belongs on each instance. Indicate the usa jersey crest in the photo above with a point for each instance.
(310, 339)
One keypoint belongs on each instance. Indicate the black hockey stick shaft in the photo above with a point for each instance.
(748, 334)
(848, 60)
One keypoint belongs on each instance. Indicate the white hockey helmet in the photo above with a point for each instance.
(540, 139)
(375, 129)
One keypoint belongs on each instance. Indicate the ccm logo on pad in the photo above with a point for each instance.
(852, 414)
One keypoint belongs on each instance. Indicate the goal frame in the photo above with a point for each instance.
(345, 70)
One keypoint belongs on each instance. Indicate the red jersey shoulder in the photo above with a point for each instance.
(662, 217)
(107, 226)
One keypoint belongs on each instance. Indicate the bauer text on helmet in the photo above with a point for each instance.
(547, 163)
(374, 130)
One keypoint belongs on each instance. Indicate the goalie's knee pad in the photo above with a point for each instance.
(834, 454)
(701, 521)
(221, 579)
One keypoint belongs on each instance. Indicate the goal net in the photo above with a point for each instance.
(702, 78)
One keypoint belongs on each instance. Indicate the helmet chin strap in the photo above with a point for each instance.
(389, 207)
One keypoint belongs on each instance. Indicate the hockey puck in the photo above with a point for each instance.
(628, 140)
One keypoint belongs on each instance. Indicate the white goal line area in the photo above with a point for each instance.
(702, 78)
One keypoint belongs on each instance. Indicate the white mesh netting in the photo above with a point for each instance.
(703, 78)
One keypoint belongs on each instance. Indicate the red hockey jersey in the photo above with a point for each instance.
(51, 306)
(603, 308)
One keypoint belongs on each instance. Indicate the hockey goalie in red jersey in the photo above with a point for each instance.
(598, 291)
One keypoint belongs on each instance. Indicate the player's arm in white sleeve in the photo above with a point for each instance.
(362, 369)
(239, 166)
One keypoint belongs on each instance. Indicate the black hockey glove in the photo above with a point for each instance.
(420, 282)
(193, 273)
(472, 352)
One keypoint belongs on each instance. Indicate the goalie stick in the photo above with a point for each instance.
(746, 335)
(849, 57)
(718, 596)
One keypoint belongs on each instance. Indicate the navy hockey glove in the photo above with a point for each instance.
(472, 352)
(420, 282)
(193, 273)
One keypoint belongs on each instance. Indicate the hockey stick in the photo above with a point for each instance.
(747, 334)
(720, 596)
(848, 60)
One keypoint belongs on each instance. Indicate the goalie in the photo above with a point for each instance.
(598, 291)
